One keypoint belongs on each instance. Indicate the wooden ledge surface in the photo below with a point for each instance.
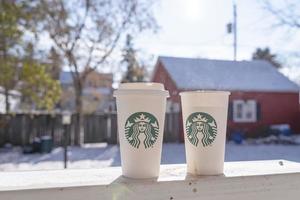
(259, 180)
(86, 177)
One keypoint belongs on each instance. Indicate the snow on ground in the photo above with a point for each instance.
(103, 155)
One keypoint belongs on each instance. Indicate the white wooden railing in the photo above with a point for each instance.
(254, 180)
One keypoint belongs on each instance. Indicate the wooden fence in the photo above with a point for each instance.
(21, 129)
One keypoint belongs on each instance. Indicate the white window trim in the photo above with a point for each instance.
(247, 106)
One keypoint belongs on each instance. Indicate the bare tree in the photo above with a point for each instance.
(286, 12)
(287, 15)
(86, 33)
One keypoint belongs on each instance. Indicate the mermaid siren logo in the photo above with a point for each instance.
(202, 125)
(141, 125)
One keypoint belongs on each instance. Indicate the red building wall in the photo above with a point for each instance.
(161, 75)
(275, 107)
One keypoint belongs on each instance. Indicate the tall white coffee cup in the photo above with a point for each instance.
(204, 116)
(141, 111)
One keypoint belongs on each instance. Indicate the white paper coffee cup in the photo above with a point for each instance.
(141, 111)
(204, 115)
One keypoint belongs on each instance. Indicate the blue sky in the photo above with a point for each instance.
(197, 28)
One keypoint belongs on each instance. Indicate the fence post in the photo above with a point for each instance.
(7, 128)
(23, 129)
(66, 146)
(108, 128)
(66, 121)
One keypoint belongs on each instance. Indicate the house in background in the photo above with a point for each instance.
(14, 100)
(260, 95)
(97, 92)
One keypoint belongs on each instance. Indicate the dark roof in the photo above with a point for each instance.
(197, 74)
(65, 77)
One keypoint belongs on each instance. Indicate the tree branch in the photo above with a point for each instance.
(78, 34)
(285, 18)
(113, 45)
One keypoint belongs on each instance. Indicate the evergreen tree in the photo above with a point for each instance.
(134, 72)
(54, 63)
(265, 54)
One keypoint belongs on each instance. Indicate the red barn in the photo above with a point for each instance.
(260, 95)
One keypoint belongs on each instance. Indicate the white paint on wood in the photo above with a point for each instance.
(241, 180)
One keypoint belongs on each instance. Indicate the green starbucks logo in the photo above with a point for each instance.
(201, 125)
(141, 126)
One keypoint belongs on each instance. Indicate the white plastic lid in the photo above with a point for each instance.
(141, 88)
(205, 92)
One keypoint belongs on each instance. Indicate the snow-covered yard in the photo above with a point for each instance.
(103, 155)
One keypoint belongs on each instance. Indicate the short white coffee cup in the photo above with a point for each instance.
(204, 116)
(141, 111)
